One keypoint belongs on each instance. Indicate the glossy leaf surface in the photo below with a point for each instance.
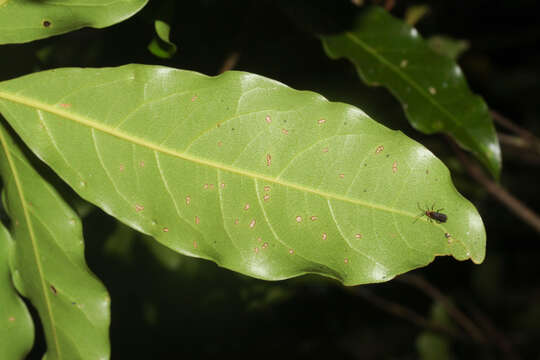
(48, 262)
(27, 20)
(431, 87)
(243, 170)
(16, 327)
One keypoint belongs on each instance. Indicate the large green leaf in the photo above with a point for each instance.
(48, 262)
(431, 87)
(16, 327)
(240, 169)
(27, 20)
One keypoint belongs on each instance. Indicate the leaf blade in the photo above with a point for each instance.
(17, 329)
(24, 21)
(431, 87)
(49, 261)
(240, 169)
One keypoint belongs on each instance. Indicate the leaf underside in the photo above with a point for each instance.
(245, 171)
(23, 20)
(16, 327)
(47, 261)
(431, 87)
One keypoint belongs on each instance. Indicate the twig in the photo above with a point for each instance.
(230, 62)
(460, 318)
(498, 337)
(508, 124)
(516, 206)
(405, 313)
(519, 148)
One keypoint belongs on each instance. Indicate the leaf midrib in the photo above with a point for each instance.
(39, 266)
(404, 76)
(82, 120)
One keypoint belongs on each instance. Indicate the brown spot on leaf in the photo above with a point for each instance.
(267, 188)
(236, 221)
(219, 143)
(222, 185)
(122, 168)
(188, 200)
(324, 236)
(265, 245)
(53, 289)
(285, 131)
(139, 207)
(247, 206)
(194, 98)
(268, 119)
(321, 121)
(298, 219)
(46, 23)
(346, 261)
(165, 229)
(268, 160)
(197, 220)
(394, 167)
(341, 176)
(256, 250)
(195, 245)
(141, 163)
(291, 251)
(266, 197)
(325, 150)
(380, 148)
(11, 319)
(64, 105)
(358, 236)
(432, 90)
(314, 218)
(252, 223)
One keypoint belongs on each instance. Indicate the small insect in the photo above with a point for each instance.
(436, 215)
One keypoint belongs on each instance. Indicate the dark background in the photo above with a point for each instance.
(166, 306)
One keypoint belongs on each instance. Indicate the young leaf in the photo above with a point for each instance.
(48, 261)
(431, 87)
(24, 21)
(161, 46)
(245, 171)
(16, 327)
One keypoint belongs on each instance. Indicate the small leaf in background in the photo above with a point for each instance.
(242, 170)
(161, 46)
(24, 21)
(16, 326)
(447, 46)
(432, 89)
(415, 13)
(432, 346)
(48, 261)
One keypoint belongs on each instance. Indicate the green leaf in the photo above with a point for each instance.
(23, 20)
(16, 327)
(243, 170)
(161, 46)
(431, 87)
(48, 261)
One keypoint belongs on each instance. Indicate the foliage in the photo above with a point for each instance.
(239, 169)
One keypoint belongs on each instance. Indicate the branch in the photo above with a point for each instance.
(460, 318)
(230, 62)
(499, 339)
(528, 136)
(516, 206)
(405, 313)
